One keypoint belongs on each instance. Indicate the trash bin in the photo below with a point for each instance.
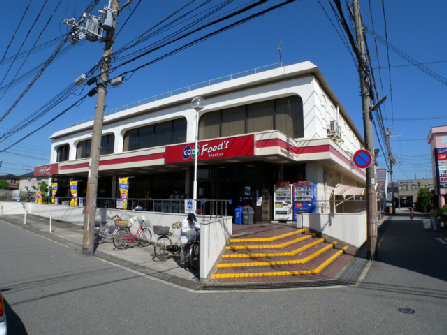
(247, 215)
(238, 215)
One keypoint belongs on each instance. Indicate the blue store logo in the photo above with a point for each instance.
(187, 152)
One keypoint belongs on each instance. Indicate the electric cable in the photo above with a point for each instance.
(38, 37)
(46, 124)
(388, 59)
(201, 39)
(13, 36)
(26, 37)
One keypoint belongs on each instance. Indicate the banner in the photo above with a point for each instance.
(74, 193)
(123, 187)
(53, 191)
(38, 194)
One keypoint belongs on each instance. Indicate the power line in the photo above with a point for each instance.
(204, 37)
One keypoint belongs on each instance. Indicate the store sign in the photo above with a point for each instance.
(45, 170)
(223, 148)
(442, 167)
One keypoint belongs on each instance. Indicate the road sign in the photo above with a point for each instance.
(362, 158)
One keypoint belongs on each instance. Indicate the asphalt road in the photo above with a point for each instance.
(52, 289)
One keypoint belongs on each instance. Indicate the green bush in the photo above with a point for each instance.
(424, 200)
(442, 210)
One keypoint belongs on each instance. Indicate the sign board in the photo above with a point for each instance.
(441, 168)
(189, 206)
(362, 158)
(46, 170)
(222, 148)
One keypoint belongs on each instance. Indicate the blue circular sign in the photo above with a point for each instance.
(362, 158)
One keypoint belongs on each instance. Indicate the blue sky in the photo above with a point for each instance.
(416, 28)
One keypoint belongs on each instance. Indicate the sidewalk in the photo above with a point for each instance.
(142, 259)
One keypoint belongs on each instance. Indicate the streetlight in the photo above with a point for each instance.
(198, 103)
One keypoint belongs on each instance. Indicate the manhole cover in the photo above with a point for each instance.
(406, 310)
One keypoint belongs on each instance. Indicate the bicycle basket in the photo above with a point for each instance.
(176, 225)
(191, 236)
(161, 230)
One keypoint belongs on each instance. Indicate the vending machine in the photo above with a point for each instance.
(283, 202)
(304, 198)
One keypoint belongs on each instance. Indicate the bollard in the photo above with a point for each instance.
(2, 210)
(50, 223)
(24, 220)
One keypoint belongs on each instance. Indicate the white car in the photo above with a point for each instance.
(3, 328)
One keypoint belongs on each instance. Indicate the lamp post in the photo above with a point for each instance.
(198, 103)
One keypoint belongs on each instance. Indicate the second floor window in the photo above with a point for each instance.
(106, 147)
(63, 152)
(171, 132)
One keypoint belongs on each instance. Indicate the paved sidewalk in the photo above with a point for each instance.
(142, 259)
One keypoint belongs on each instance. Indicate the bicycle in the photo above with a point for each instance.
(164, 245)
(123, 238)
(194, 249)
(104, 231)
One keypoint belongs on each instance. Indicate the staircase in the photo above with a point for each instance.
(272, 253)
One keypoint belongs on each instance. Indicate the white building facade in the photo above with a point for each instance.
(284, 124)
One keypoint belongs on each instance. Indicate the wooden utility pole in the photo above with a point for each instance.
(92, 183)
(371, 227)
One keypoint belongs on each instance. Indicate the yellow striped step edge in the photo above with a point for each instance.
(294, 261)
(266, 239)
(282, 273)
(269, 246)
(278, 254)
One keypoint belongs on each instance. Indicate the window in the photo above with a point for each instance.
(107, 144)
(83, 148)
(62, 153)
(285, 115)
(171, 132)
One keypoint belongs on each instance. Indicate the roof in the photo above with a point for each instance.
(291, 71)
(348, 190)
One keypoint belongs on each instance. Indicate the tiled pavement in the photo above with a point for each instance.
(345, 270)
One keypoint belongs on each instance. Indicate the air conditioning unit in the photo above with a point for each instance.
(334, 129)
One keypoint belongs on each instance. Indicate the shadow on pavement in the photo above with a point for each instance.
(408, 245)
(15, 324)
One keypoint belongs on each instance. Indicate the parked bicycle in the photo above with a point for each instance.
(194, 249)
(124, 238)
(107, 232)
(164, 246)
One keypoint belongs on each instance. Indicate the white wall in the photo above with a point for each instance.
(213, 239)
(347, 227)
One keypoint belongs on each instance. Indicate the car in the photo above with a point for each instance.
(3, 327)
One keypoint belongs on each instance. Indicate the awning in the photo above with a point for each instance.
(348, 190)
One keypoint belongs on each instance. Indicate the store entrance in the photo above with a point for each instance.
(243, 183)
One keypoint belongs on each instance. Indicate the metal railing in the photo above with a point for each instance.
(212, 208)
(186, 89)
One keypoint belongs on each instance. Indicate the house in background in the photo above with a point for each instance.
(437, 138)
(12, 180)
(28, 183)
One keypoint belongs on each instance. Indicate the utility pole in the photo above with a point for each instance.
(371, 227)
(92, 183)
(393, 161)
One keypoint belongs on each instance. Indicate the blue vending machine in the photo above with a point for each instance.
(304, 198)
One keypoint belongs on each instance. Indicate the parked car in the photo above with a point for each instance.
(3, 327)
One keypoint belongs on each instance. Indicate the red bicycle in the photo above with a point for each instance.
(123, 238)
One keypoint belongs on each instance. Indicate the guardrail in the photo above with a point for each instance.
(212, 208)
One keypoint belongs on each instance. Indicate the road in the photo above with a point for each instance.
(52, 289)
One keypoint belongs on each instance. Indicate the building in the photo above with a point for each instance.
(28, 183)
(406, 191)
(12, 180)
(437, 138)
(283, 124)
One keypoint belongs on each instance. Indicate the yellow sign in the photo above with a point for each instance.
(74, 193)
(123, 187)
(53, 191)
(38, 194)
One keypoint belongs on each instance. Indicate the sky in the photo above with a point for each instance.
(307, 30)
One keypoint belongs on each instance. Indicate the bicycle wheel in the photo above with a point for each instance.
(100, 236)
(160, 248)
(144, 237)
(119, 238)
(194, 255)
